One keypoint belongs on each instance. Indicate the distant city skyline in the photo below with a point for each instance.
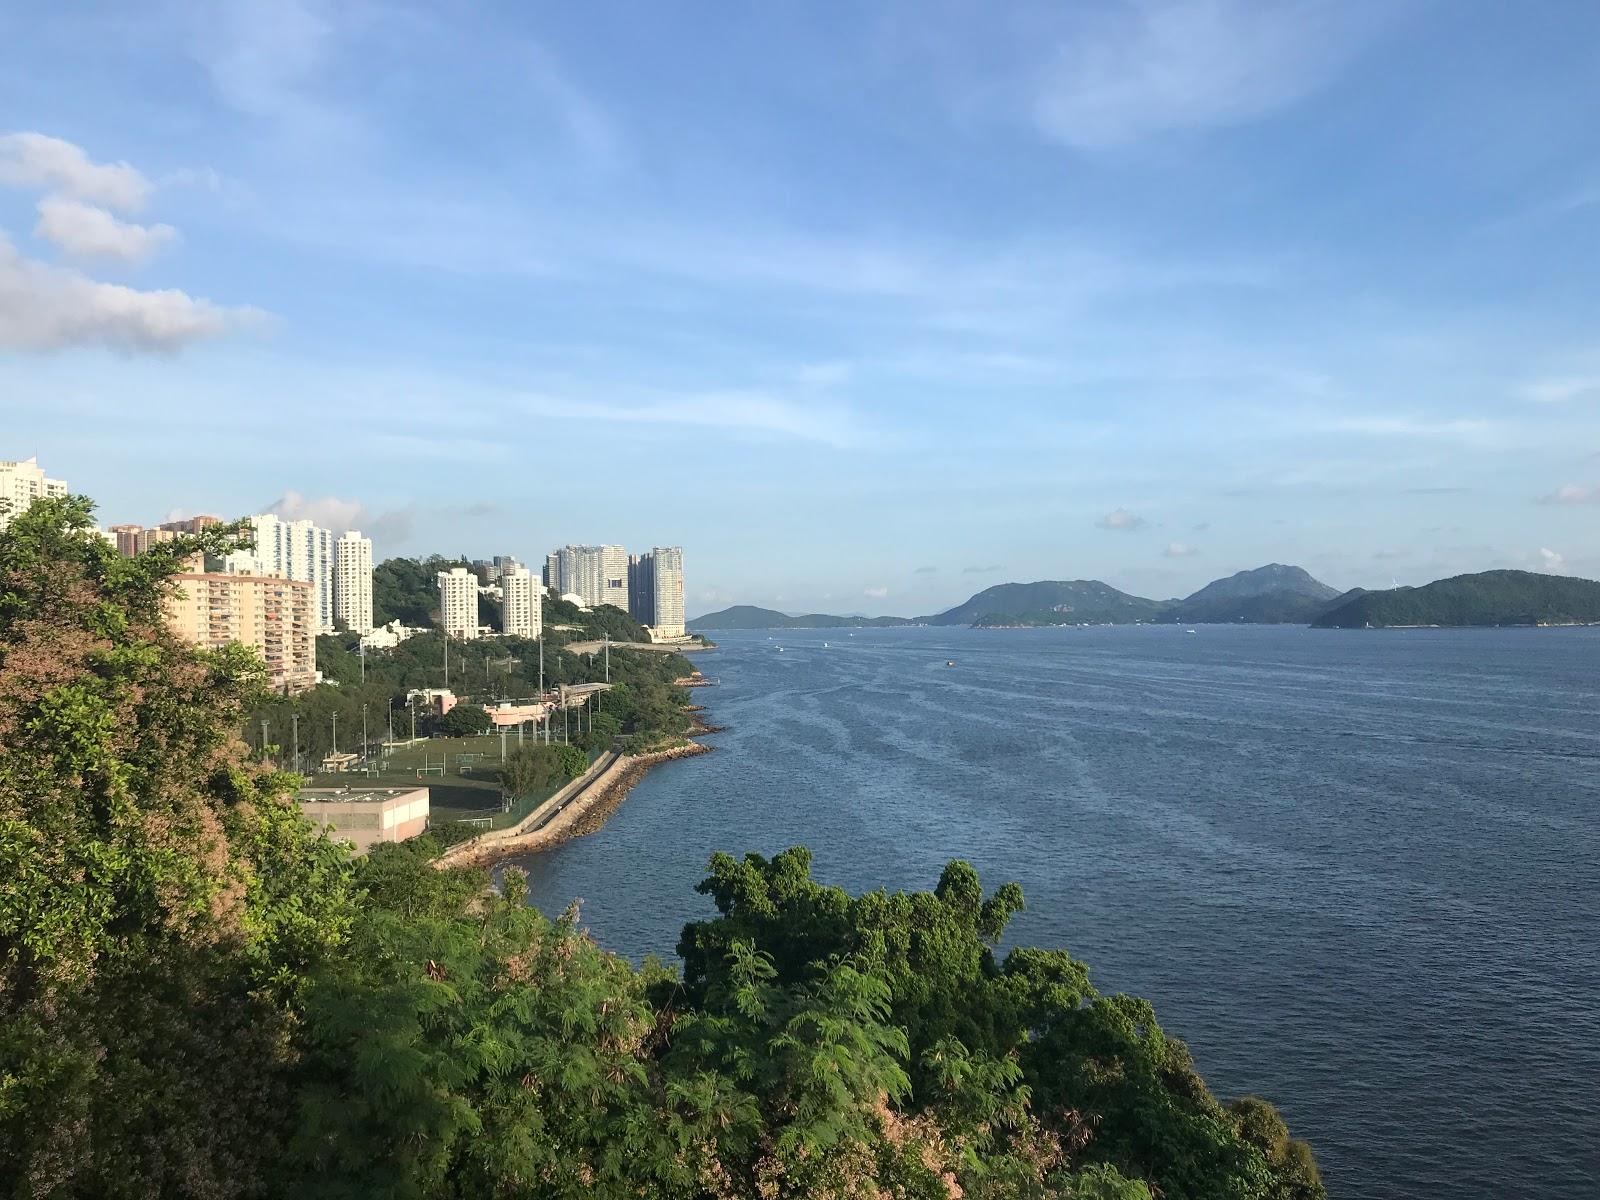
(868, 308)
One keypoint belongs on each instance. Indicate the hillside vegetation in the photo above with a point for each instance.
(748, 616)
(1486, 598)
(200, 997)
(1049, 602)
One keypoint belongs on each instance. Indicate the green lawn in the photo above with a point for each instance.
(470, 789)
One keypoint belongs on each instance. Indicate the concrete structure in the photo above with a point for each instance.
(387, 637)
(295, 550)
(352, 581)
(655, 596)
(458, 602)
(522, 603)
(437, 700)
(508, 714)
(22, 481)
(363, 817)
(268, 613)
(597, 573)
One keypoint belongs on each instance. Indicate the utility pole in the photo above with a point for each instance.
(391, 721)
(608, 656)
(364, 742)
(263, 738)
(447, 659)
(336, 733)
(363, 645)
(413, 709)
(294, 721)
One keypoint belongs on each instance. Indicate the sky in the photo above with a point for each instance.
(866, 305)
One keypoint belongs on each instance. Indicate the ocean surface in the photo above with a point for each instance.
(1358, 872)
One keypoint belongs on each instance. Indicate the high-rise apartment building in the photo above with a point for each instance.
(522, 603)
(352, 581)
(655, 591)
(132, 540)
(458, 602)
(597, 574)
(272, 615)
(642, 588)
(295, 550)
(22, 481)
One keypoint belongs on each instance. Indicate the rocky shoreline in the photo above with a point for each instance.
(608, 796)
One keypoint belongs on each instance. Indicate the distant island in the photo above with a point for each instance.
(748, 616)
(1486, 598)
(1276, 594)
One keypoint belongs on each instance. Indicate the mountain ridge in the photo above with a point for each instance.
(1483, 598)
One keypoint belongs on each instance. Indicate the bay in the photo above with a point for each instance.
(1359, 873)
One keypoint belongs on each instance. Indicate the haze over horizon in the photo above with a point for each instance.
(866, 310)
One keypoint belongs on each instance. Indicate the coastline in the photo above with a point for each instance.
(585, 804)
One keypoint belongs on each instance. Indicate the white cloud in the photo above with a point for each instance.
(729, 410)
(1560, 390)
(1409, 427)
(1179, 550)
(44, 307)
(1122, 520)
(84, 231)
(1551, 562)
(330, 512)
(1146, 67)
(35, 160)
(339, 515)
(1572, 493)
(877, 593)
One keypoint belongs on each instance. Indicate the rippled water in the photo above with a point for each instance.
(1358, 872)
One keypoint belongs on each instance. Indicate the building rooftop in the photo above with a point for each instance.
(355, 795)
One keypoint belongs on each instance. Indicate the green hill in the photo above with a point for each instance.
(1269, 595)
(1486, 598)
(1050, 602)
(749, 616)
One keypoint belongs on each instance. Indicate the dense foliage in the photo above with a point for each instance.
(538, 765)
(201, 997)
(1487, 598)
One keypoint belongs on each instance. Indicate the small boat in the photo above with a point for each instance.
(780, 649)
(949, 662)
(1188, 631)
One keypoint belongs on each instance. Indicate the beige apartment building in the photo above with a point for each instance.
(274, 616)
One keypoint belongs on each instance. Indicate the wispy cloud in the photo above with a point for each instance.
(981, 570)
(1572, 493)
(38, 161)
(1560, 389)
(1120, 520)
(85, 231)
(738, 411)
(1126, 71)
(1551, 562)
(1470, 428)
(44, 307)
(926, 571)
(877, 593)
(1179, 550)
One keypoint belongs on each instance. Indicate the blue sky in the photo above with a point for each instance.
(866, 305)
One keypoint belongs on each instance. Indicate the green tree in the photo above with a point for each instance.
(162, 899)
(464, 720)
